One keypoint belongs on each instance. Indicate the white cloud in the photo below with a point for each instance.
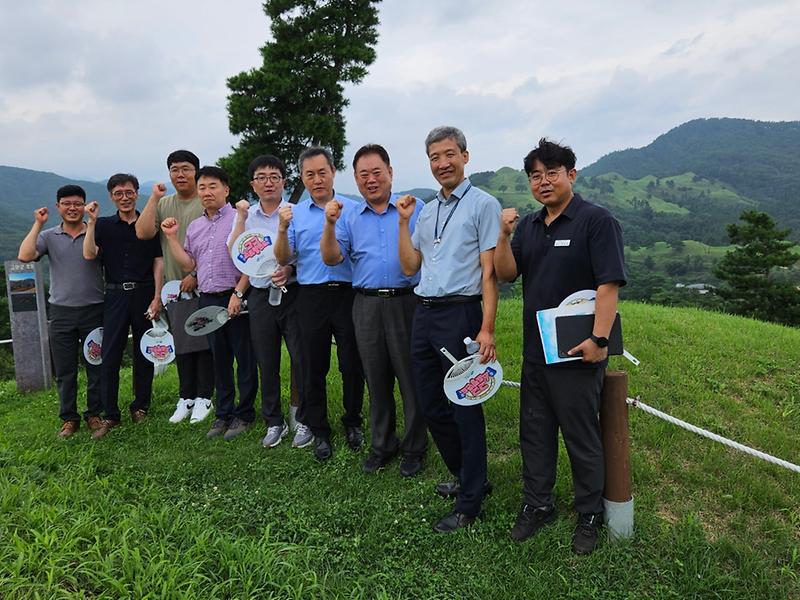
(94, 87)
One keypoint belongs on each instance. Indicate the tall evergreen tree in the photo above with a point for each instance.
(296, 98)
(749, 271)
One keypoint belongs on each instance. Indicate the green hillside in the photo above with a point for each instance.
(760, 160)
(156, 510)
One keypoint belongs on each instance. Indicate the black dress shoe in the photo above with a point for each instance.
(322, 449)
(410, 465)
(375, 462)
(455, 520)
(530, 520)
(355, 438)
(450, 489)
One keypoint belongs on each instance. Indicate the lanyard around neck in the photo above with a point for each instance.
(436, 237)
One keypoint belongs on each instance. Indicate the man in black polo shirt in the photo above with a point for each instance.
(133, 270)
(567, 246)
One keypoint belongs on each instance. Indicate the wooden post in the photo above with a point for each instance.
(617, 496)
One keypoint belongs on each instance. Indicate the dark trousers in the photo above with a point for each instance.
(569, 399)
(383, 333)
(324, 312)
(229, 341)
(68, 327)
(458, 431)
(268, 324)
(195, 374)
(125, 310)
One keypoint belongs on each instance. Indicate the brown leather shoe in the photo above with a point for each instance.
(107, 426)
(94, 423)
(137, 416)
(68, 428)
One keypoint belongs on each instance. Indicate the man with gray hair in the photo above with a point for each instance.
(325, 303)
(453, 246)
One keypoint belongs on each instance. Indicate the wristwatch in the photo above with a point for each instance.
(600, 341)
(240, 295)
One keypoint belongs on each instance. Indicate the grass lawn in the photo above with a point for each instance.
(157, 511)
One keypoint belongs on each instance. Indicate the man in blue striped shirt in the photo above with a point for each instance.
(383, 307)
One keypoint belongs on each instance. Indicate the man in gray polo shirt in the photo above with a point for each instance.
(76, 302)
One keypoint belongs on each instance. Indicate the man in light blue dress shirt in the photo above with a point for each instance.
(383, 307)
(453, 246)
(325, 304)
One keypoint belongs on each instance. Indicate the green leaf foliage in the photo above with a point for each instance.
(750, 271)
(296, 97)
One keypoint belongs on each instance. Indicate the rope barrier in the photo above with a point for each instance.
(712, 436)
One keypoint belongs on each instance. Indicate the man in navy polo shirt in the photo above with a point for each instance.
(452, 247)
(325, 304)
(133, 270)
(567, 246)
(383, 307)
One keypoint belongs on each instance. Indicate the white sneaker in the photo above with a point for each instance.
(293, 418)
(303, 437)
(274, 435)
(202, 408)
(182, 410)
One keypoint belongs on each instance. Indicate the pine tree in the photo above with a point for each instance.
(749, 271)
(296, 98)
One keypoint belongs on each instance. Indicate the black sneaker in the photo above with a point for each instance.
(322, 449)
(375, 462)
(584, 539)
(450, 489)
(355, 438)
(410, 466)
(530, 520)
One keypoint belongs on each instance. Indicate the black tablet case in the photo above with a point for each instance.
(571, 330)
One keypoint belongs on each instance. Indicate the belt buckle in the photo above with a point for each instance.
(128, 286)
(385, 293)
(426, 302)
(333, 284)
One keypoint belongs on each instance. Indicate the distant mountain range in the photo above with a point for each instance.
(681, 190)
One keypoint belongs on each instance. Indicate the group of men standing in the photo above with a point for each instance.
(392, 279)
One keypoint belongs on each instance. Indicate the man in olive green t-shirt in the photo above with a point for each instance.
(195, 369)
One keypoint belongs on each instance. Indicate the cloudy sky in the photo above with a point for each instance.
(93, 87)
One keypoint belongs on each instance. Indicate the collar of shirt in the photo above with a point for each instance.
(257, 209)
(367, 206)
(60, 230)
(461, 188)
(220, 213)
(118, 219)
(569, 212)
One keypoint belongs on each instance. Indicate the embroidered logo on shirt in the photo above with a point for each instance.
(561, 243)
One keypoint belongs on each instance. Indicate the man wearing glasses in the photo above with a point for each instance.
(567, 246)
(269, 322)
(76, 303)
(195, 369)
(133, 272)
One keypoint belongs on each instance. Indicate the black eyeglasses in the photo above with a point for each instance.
(272, 178)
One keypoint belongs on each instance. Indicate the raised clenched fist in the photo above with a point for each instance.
(405, 206)
(285, 216)
(333, 210)
(242, 206)
(169, 226)
(159, 191)
(508, 220)
(92, 210)
(41, 214)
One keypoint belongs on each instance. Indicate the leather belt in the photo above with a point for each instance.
(384, 292)
(218, 294)
(129, 285)
(431, 301)
(330, 285)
